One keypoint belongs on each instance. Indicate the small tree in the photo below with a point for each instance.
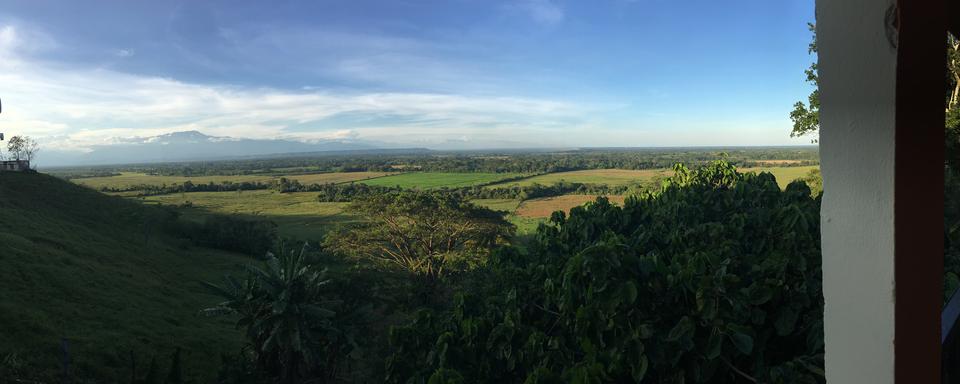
(15, 147)
(31, 149)
(22, 148)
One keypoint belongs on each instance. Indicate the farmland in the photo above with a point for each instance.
(127, 180)
(613, 177)
(299, 215)
(784, 175)
(543, 207)
(428, 180)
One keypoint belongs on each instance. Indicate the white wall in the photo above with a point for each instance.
(857, 66)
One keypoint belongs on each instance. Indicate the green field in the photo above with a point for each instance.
(508, 205)
(129, 179)
(78, 265)
(617, 177)
(428, 180)
(611, 177)
(298, 215)
(784, 175)
(545, 206)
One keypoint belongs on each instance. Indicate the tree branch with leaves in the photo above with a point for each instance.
(806, 117)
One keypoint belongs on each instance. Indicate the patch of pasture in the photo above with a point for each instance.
(337, 177)
(508, 205)
(774, 163)
(611, 177)
(429, 180)
(298, 215)
(130, 179)
(544, 207)
(526, 225)
(784, 175)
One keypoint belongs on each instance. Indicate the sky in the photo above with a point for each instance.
(481, 73)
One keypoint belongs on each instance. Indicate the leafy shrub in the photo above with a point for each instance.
(716, 279)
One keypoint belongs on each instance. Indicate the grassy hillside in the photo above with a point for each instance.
(92, 269)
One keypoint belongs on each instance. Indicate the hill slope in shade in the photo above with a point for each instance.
(90, 268)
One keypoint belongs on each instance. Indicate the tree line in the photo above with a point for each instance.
(349, 192)
(493, 162)
(345, 192)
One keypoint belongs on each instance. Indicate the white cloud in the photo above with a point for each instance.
(125, 52)
(76, 108)
(544, 12)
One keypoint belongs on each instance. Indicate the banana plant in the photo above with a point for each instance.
(287, 317)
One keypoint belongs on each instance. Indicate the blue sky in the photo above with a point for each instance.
(480, 73)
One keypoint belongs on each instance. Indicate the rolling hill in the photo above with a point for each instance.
(96, 271)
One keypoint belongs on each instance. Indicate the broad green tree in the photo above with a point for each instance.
(425, 233)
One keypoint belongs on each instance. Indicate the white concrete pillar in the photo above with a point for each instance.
(857, 68)
(882, 69)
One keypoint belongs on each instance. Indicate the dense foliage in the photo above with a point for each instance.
(714, 279)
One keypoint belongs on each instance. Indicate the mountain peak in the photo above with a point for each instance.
(183, 135)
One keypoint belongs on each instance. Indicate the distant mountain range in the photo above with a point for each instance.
(191, 146)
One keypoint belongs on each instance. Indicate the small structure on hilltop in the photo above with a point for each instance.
(14, 165)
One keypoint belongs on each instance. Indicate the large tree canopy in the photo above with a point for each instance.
(425, 233)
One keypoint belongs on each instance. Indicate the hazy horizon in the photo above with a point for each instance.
(184, 147)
